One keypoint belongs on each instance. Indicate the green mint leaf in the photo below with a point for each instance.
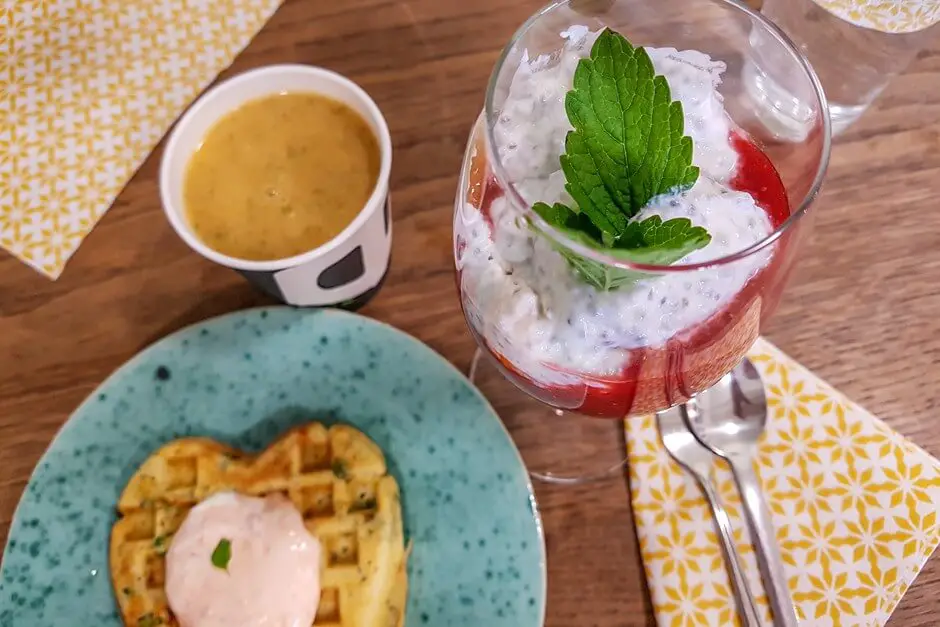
(556, 215)
(650, 241)
(600, 275)
(159, 544)
(564, 218)
(655, 242)
(222, 554)
(588, 188)
(628, 144)
(627, 147)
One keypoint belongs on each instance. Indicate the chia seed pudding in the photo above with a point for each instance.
(519, 292)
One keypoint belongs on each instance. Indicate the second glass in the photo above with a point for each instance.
(670, 331)
(856, 48)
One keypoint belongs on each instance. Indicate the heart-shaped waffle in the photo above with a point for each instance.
(337, 479)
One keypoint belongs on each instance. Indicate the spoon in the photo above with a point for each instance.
(697, 460)
(729, 418)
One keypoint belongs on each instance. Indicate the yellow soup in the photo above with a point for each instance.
(280, 176)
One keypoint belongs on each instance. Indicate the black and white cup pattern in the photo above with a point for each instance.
(344, 272)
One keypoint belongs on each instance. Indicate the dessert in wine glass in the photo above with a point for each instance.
(624, 223)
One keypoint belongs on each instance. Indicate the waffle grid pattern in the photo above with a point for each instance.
(336, 483)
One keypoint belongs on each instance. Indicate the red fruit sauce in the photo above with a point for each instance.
(694, 359)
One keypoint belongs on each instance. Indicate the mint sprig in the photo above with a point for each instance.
(222, 554)
(627, 147)
(650, 241)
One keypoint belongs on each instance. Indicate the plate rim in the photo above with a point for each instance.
(327, 312)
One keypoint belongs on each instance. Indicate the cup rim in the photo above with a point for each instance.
(490, 115)
(376, 199)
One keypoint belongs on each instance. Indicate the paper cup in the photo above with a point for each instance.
(344, 272)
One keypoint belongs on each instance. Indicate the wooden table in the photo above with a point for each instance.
(863, 311)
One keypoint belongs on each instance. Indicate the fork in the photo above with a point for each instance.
(697, 460)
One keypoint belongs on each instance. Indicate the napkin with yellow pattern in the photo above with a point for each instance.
(855, 507)
(87, 89)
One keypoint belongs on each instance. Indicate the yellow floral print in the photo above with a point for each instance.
(793, 440)
(678, 552)
(889, 16)
(789, 400)
(855, 507)
(688, 606)
(673, 500)
(728, 491)
(852, 489)
(87, 89)
(825, 597)
(908, 483)
(843, 441)
(811, 544)
(654, 458)
(917, 531)
(878, 587)
(802, 493)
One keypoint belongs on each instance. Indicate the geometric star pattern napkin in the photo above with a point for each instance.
(87, 89)
(854, 504)
(889, 16)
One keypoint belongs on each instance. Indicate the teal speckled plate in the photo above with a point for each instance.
(479, 555)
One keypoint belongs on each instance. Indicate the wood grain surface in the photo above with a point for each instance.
(863, 311)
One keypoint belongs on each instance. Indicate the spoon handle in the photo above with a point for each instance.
(765, 542)
(747, 607)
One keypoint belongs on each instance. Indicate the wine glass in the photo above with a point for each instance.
(669, 331)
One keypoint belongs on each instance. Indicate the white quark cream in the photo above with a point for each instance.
(272, 576)
(522, 294)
